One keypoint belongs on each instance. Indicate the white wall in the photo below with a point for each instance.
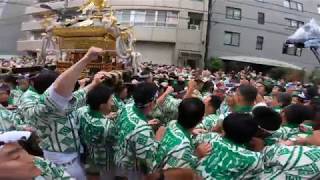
(159, 53)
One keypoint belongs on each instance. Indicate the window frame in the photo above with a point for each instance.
(231, 40)
(233, 14)
(259, 43)
(290, 3)
(195, 21)
(263, 20)
(297, 51)
(290, 22)
(139, 17)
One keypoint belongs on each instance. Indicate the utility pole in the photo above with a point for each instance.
(66, 4)
(208, 31)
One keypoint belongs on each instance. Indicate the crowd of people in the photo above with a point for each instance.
(17, 62)
(165, 122)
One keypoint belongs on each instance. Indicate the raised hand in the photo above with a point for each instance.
(160, 133)
(203, 150)
(198, 131)
(94, 52)
(169, 90)
(153, 122)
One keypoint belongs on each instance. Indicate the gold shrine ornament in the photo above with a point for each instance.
(99, 4)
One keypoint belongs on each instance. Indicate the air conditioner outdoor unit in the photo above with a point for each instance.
(194, 27)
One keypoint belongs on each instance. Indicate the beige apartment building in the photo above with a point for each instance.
(167, 31)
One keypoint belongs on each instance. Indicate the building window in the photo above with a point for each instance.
(161, 18)
(292, 50)
(172, 18)
(260, 18)
(259, 43)
(294, 23)
(293, 5)
(148, 18)
(123, 16)
(139, 17)
(231, 38)
(233, 13)
(194, 21)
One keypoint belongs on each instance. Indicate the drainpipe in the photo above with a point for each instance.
(208, 32)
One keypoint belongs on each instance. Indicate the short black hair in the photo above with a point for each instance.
(267, 118)
(98, 95)
(144, 93)
(208, 87)
(312, 92)
(43, 80)
(215, 102)
(297, 113)
(239, 127)
(119, 88)
(285, 99)
(10, 79)
(249, 93)
(5, 88)
(281, 88)
(145, 74)
(191, 112)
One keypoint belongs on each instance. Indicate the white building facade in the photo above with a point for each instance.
(167, 31)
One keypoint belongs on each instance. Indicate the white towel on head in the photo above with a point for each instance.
(14, 136)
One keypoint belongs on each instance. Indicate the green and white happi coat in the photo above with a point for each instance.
(223, 111)
(119, 104)
(57, 129)
(135, 145)
(208, 122)
(176, 149)
(291, 162)
(98, 134)
(49, 171)
(228, 160)
(8, 119)
(26, 102)
(286, 132)
(167, 111)
(15, 95)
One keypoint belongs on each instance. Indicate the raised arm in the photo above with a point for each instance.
(191, 87)
(65, 83)
(163, 97)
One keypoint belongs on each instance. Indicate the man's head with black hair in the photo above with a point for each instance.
(145, 95)
(277, 89)
(212, 104)
(99, 99)
(4, 94)
(246, 95)
(10, 80)
(121, 90)
(297, 114)
(146, 76)
(263, 89)
(268, 120)
(312, 91)
(284, 99)
(208, 87)
(23, 84)
(42, 81)
(191, 112)
(239, 127)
